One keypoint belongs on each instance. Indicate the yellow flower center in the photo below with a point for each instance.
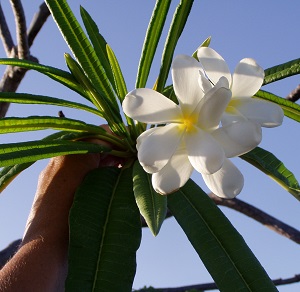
(189, 122)
(233, 103)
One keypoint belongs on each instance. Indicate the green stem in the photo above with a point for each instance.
(114, 140)
(121, 153)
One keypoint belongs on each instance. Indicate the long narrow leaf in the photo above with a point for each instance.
(120, 85)
(9, 173)
(98, 42)
(25, 98)
(117, 73)
(179, 20)
(223, 251)
(56, 74)
(69, 136)
(282, 71)
(273, 167)
(24, 152)
(35, 123)
(290, 109)
(81, 47)
(88, 60)
(170, 93)
(86, 84)
(152, 205)
(205, 43)
(105, 233)
(152, 38)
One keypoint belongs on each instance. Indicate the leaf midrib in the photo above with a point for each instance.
(217, 240)
(105, 228)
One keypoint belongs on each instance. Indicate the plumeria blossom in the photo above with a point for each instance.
(244, 83)
(192, 137)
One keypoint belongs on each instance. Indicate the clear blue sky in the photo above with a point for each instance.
(264, 30)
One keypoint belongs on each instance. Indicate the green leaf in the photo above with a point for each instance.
(25, 98)
(170, 93)
(9, 173)
(179, 20)
(117, 73)
(90, 64)
(105, 233)
(81, 77)
(35, 123)
(120, 85)
(107, 112)
(152, 205)
(67, 135)
(273, 167)
(98, 42)
(290, 109)
(58, 75)
(81, 48)
(24, 152)
(206, 43)
(152, 38)
(222, 249)
(282, 71)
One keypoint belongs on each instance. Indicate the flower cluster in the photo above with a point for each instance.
(216, 119)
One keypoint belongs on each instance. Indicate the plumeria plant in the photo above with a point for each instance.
(204, 118)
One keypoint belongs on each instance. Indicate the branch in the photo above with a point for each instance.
(294, 95)
(11, 249)
(5, 34)
(254, 213)
(213, 286)
(10, 82)
(22, 43)
(260, 216)
(14, 75)
(37, 23)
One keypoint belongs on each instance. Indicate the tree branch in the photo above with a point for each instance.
(5, 34)
(37, 23)
(11, 249)
(14, 75)
(256, 214)
(260, 216)
(213, 286)
(22, 42)
(294, 95)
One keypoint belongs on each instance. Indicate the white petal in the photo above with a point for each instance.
(213, 64)
(227, 182)
(238, 138)
(149, 106)
(204, 83)
(213, 105)
(174, 175)
(232, 115)
(141, 137)
(205, 153)
(156, 149)
(266, 113)
(185, 74)
(247, 78)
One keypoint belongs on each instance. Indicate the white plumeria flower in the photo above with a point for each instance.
(244, 83)
(191, 138)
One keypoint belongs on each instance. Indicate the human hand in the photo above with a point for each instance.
(41, 262)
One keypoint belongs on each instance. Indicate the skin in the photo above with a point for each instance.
(41, 262)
